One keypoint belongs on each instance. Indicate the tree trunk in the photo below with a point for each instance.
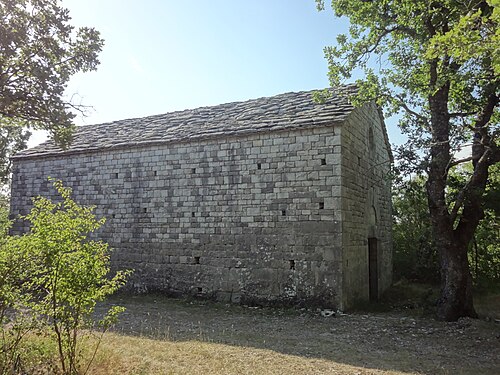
(456, 283)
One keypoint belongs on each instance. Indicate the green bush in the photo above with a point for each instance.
(484, 254)
(56, 275)
(415, 256)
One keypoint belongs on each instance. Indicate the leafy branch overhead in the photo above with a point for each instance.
(39, 52)
(409, 49)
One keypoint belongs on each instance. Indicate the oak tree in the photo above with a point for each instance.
(39, 52)
(437, 63)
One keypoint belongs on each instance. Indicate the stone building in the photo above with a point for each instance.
(276, 199)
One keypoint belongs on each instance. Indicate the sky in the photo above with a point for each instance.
(164, 55)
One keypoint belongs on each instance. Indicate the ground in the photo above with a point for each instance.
(197, 335)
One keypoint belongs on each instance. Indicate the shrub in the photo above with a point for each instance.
(64, 274)
(415, 256)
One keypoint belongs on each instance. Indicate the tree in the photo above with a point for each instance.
(437, 63)
(13, 138)
(39, 52)
(484, 250)
(414, 255)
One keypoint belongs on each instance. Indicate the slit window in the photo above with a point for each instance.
(371, 141)
(292, 264)
(193, 170)
(321, 205)
(115, 175)
(144, 210)
(283, 212)
(323, 161)
(193, 214)
(259, 166)
(196, 260)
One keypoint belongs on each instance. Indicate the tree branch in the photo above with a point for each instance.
(477, 181)
(453, 163)
(410, 111)
(462, 114)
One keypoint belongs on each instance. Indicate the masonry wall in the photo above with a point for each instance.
(366, 204)
(255, 218)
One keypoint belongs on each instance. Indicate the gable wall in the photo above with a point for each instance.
(366, 203)
(202, 218)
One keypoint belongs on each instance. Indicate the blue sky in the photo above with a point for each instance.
(161, 56)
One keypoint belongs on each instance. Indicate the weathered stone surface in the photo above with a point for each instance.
(286, 111)
(365, 204)
(263, 215)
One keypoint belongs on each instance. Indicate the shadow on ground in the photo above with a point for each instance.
(384, 341)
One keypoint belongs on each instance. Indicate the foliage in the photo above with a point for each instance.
(415, 255)
(436, 64)
(15, 321)
(13, 138)
(4, 217)
(484, 254)
(484, 250)
(39, 52)
(64, 274)
(391, 44)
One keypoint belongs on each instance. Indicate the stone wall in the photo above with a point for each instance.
(366, 203)
(282, 216)
(254, 218)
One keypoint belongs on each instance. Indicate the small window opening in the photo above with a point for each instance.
(292, 264)
(193, 214)
(113, 216)
(115, 175)
(321, 205)
(144, 210)
(196, 260)
(359, 160)
(200, 289)
(156, 173)
(259, 166)
(371, 141)
(283, 212)
(193, 170)
(323, 161)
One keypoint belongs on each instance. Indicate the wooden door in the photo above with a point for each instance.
(373, 268)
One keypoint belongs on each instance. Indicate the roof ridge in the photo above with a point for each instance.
(179, 111)
(283, 111)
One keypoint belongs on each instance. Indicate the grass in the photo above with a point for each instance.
(163, 336)
(123, 355)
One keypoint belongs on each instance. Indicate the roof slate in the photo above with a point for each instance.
(284, 111)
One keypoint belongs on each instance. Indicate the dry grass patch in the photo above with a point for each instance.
(134, 355)
(204, 337)
(157, 335)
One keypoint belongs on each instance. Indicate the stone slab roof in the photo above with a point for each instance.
(280, 112)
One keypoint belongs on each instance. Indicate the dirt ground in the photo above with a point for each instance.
(394, 341)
